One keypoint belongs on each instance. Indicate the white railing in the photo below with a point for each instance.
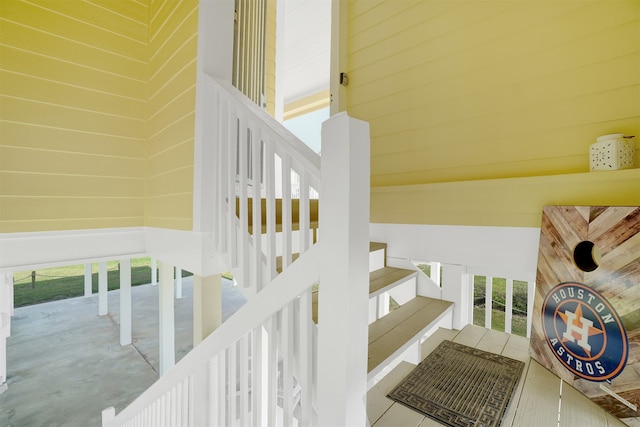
(430, 284)
(256, 159)
(491, 301)
(243, 373)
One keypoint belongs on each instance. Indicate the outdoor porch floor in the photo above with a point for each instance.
(65, 363)
(536, 400)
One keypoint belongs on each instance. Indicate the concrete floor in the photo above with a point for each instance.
(65, 363)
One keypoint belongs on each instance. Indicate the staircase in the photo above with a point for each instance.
(396, 335)
(264, 365)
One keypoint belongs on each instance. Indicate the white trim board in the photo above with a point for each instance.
(27, 251)
(496, 251)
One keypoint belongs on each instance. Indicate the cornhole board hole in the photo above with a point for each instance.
(586, 319)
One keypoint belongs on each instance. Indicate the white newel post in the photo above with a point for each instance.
(344, 273)
(456, 288)
(215, 57)
(125, 301)
(88, 280)
(102, 289)
(167, 320)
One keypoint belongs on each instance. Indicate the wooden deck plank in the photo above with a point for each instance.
(516, 348)
(399, 415)
(385, 277)
(538, 404)
(578, 410)
(470, 335)
(493, 342)
(408, 326)
(376, 246)
(377, 401)
(535, 401)
(388, 322)
(428, 422)
(435, 339)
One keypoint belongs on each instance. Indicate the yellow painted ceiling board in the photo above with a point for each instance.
(508, 202)
(97, 16)
(38, 42)
(41, 114)
(39, 89)
(424, 64)
(70, 140)
(54, 69)
(473, 91)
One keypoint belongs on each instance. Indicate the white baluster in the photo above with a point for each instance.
(488, 302)
(271, 208)
(508, 309)
(286, 212)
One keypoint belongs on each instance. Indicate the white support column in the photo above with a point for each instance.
(455, 287)
(125, 301)
(88, 280)
(178, 283)
(167, 319)
(154, 271)
(6, 311)
(207, 306)
(102, 289)
(344, 273)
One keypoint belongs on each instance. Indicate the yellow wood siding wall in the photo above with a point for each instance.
(72, 114)
(270, 57)
(463, 91)
(173, 29)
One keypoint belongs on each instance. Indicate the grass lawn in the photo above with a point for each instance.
(67, 282)
(518, 322)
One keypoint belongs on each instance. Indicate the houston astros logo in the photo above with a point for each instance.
(584, 332)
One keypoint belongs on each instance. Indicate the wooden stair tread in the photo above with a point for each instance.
(376, 246)
(393, 331)
(383, 277)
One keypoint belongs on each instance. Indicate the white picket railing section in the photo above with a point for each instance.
(258, 368)
(243, 373)
(257, 157)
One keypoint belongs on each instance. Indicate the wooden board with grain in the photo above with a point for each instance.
(610, 270)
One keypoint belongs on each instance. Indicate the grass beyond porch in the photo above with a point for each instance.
(67, 282)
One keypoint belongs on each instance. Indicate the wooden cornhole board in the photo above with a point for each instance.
(586, 320)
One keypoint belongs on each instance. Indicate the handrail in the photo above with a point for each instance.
(294, 281)
(307, 158)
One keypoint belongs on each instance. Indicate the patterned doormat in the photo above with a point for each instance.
(460, 386)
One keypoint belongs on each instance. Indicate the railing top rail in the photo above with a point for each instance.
(292, 282)
(304, 155)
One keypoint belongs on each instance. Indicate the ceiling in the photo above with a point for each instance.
(306, 51)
